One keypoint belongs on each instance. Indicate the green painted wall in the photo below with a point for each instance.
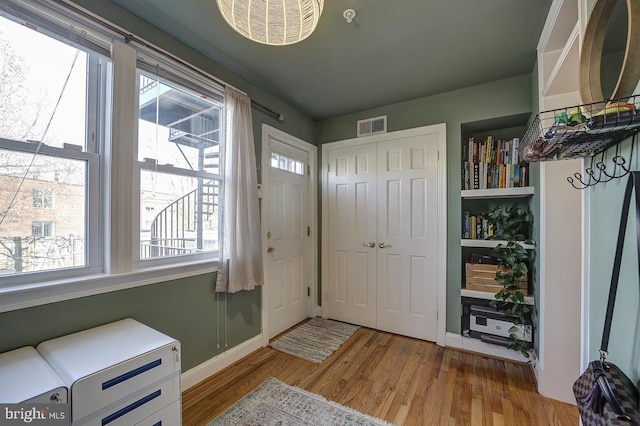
(605, 204)
(502, 98)
(186, 309)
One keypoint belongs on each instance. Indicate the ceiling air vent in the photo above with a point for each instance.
(372, 126)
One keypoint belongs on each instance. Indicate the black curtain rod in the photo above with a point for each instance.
(131, 38)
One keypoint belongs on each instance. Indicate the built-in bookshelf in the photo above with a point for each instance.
(492, 174)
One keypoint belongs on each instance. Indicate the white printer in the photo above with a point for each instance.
(494, 326)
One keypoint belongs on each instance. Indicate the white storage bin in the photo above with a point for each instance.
(112, 366)
(26, 377)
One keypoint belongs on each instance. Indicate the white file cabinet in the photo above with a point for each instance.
(27, 378)
(119, 374)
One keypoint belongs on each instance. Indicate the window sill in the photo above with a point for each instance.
(14, 297)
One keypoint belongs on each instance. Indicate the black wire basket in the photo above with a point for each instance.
(581, 130)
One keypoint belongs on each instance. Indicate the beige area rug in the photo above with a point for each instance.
(315, 340)
(276, 403)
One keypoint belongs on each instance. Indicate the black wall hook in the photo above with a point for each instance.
(593, 177)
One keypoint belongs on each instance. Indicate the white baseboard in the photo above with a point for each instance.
(476, 345)
(453, 340)
(315, 312)
(535, 365)
(210, 367)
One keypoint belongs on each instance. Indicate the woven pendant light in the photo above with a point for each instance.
(276, 22)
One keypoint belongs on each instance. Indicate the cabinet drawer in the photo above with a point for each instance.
(136, 407)
(168, 416)
(105, 364)
(104, 387)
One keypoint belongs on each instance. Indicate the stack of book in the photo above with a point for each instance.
(475, 226)
(492, 163)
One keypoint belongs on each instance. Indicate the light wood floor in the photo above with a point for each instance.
(402, 380)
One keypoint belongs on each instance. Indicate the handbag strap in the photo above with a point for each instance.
(634, 180)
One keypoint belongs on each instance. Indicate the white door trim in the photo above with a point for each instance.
(312, 212)
(441, 129)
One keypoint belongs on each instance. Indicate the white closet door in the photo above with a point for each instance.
(352, 223)
(407, 190)
(382, 234)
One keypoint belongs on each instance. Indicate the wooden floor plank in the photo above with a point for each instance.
(402, 380)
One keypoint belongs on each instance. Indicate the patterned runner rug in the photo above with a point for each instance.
(276, 403)
(315, 340)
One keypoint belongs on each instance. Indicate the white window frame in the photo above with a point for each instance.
(111, 264)
(92, 224)
(209, 256)
(208, 88)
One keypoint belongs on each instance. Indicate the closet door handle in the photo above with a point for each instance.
(370, 244)
(384, 245)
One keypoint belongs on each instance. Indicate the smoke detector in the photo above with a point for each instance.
(349, 15)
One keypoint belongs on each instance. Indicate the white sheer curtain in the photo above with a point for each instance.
(240, 246)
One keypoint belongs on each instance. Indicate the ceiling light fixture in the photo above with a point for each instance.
(275, 22)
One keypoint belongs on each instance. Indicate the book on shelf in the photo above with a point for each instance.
(466, 233)
(475, 226)
(492, 163)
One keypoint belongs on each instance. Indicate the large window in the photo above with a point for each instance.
(86, 187)
(179, 162)
(48, 145)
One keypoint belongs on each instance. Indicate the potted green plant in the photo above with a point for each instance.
(513, 225)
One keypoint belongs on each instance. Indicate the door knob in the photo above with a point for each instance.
(370, 244)
(384, 245)
(271, 249)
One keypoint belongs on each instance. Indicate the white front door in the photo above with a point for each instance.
(287, 258)
(383, 263)
(407, 236)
